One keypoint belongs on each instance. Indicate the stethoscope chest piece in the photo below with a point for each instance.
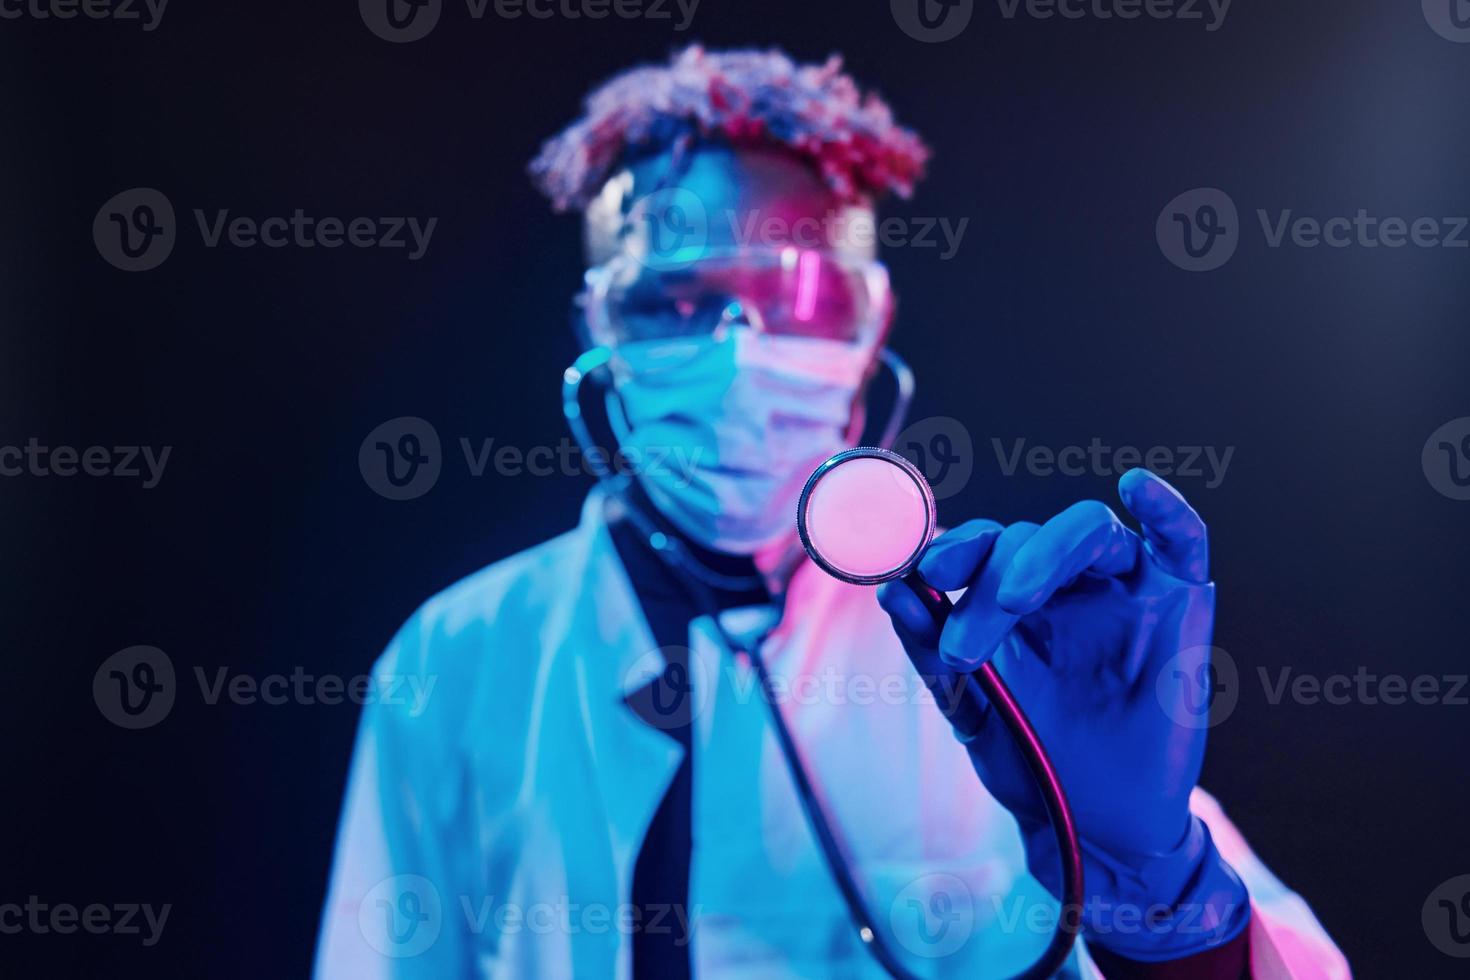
(866, 516)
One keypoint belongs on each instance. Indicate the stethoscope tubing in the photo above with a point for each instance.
(967, 713)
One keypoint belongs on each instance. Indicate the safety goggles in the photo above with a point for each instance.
(778, 291)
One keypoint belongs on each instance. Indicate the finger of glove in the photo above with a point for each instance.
(1085, 537)
(919, 634)
(952, 559)
(1174, 530)
(911, 619)
(978, 623)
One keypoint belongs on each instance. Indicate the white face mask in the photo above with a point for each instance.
(723, 433)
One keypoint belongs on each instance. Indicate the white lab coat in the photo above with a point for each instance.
(491, 830)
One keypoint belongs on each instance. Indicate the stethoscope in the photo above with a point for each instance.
(867, 516)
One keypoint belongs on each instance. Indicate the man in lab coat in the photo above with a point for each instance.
(596, 788)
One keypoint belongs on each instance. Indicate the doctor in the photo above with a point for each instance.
(596, 789)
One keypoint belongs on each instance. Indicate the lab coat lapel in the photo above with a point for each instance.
(633, 762)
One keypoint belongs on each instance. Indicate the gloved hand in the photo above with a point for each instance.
(1082, 616)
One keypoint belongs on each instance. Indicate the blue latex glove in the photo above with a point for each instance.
(1081, 616)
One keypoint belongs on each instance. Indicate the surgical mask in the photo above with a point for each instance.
(724, 429)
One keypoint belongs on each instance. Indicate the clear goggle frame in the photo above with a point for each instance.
(786, 291)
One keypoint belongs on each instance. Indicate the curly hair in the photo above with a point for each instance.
(742, 97)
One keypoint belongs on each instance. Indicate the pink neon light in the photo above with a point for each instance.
(807, 267)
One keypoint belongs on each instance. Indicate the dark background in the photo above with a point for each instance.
(1059, 320)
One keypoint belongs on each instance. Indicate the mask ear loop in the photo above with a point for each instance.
(593, 361)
